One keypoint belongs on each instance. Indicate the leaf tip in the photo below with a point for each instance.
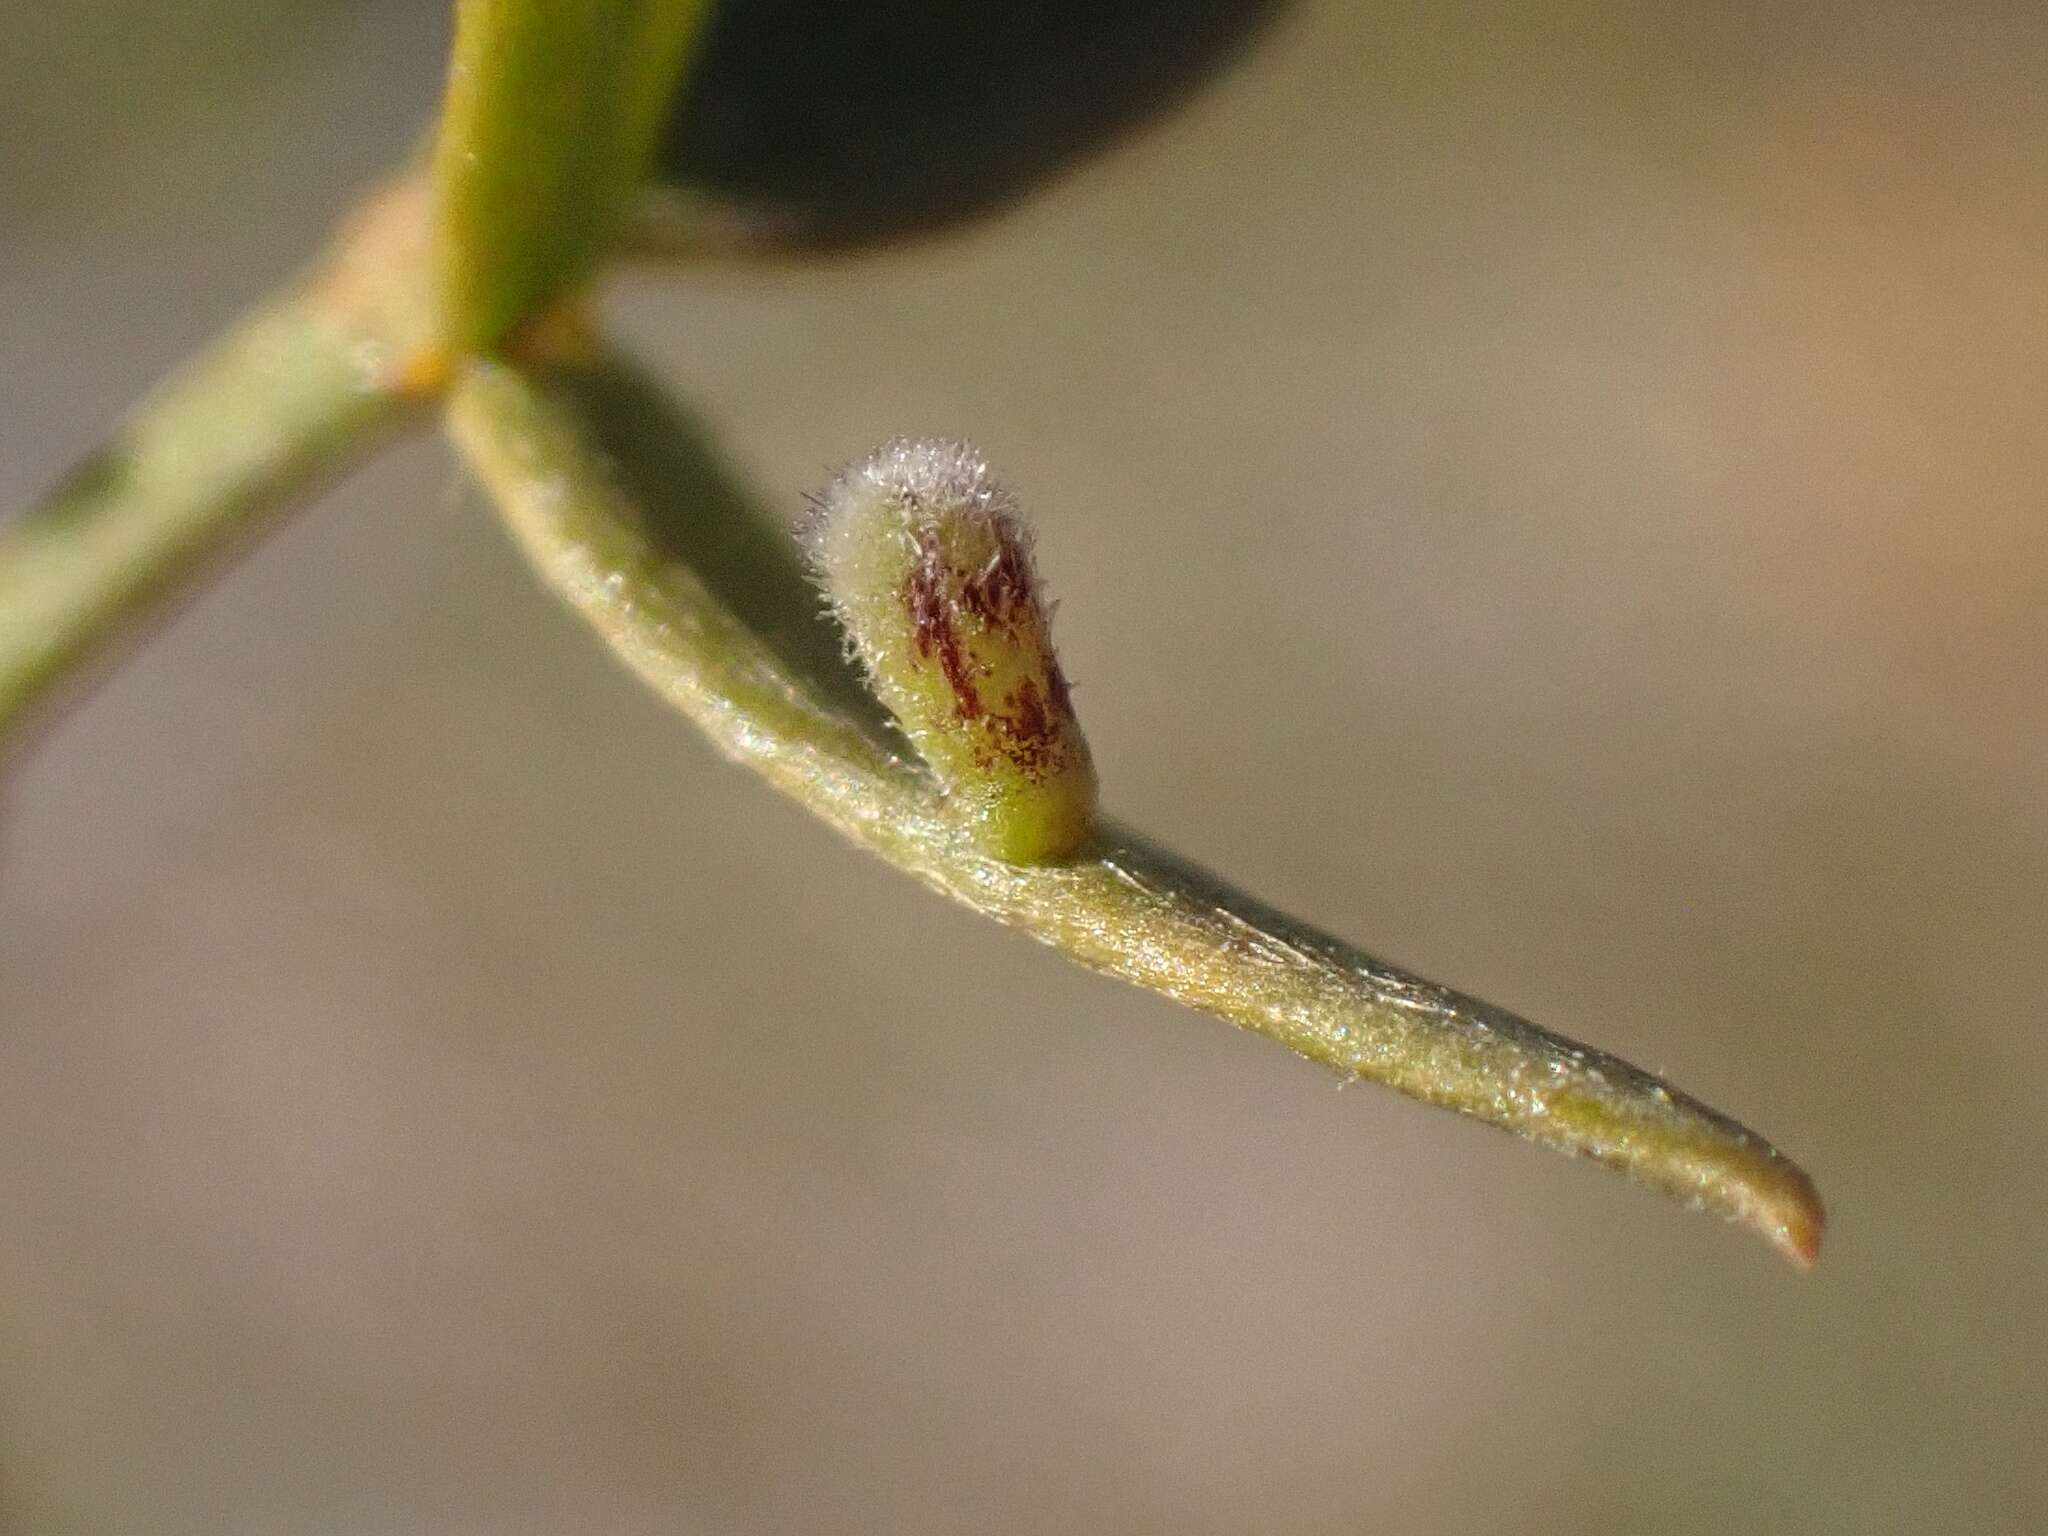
(1793, 1218)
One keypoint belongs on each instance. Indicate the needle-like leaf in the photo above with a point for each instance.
(622, 512)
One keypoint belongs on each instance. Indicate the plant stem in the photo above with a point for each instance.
(551, 115)
(238, 432)
(609, 496)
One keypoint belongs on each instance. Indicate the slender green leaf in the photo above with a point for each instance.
(623, 513)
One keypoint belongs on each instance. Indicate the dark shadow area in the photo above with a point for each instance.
(840, 124)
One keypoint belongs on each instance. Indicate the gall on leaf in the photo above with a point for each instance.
(927, 564)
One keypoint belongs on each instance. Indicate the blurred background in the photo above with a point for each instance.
(1552, 492)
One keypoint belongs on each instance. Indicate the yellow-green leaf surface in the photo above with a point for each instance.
(621, 511)
(551, 114)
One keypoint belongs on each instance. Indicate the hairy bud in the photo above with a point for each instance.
(928, 566)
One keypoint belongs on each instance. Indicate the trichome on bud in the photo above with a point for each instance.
(928, 566)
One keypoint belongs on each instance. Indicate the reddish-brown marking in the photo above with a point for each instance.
(1029, 730)
(1033, 738)
(1030, 723)
(931, 623)
(1001, 590)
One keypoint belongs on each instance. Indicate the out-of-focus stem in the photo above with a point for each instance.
(238, 433)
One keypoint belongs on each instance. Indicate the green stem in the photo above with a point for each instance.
(235, 434)
(238, 432)
(613, 501)
(550, 119)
